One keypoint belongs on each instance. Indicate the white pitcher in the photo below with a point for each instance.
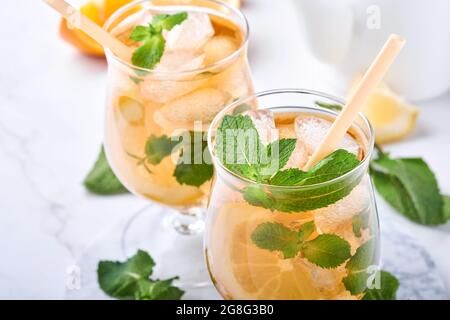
(348, 33)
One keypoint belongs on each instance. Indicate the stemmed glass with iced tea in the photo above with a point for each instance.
(157, 119)
(275, 230)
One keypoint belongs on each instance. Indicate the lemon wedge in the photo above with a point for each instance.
(391, 116)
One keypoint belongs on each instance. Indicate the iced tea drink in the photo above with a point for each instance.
(275, 231)
(155, 115)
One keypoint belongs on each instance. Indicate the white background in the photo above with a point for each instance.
(51, 123)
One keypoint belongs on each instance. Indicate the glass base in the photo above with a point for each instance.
(175, 242)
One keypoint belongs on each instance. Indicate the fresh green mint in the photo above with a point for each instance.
(297, 200)
(239, 148)
(361, 221)
(388, 288)
(194, 166)
(153, 42)
(359, 267)
(329, 106)
(101, 179)
(409, 185)
(130, 280)
(325, 251)
(159, 147)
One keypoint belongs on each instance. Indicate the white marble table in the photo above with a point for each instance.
(51, 106)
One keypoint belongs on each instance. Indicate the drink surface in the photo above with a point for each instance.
(246, 263)
(202, 69)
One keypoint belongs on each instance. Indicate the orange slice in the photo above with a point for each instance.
(99, 12)
(243, 271)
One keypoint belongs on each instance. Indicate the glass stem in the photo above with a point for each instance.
(189, 221)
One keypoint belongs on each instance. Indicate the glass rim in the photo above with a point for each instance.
(118, 13)
(363, 163)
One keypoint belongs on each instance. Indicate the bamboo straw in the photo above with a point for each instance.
(82, 22)
(369, 82)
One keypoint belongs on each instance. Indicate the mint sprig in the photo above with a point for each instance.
(101, 179)
(194, 166)
(239, 148)
(153, 42)
(409, 185)
(130, 280)
(325, 251)
(159, 147)
(388, 288)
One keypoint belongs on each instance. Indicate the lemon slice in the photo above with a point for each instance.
(391, 116)
(241, 270)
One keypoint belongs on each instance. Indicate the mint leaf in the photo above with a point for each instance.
(276, 155)
(306, 230)
(288, 177)
(140, 33)
(331, 167)
(256, 196)
(410, 187)
(360, 221)
(326, 251)
(157, 148)
(167, 22)
(277, 237)
(239, 149)
(119, 279)
(446, 209)
(130, 279)
(101, 179)
(152, 49)
(297, 200)
(157, 290)
(238, 146)
(329, 106)
(358, 271)
(388, 288)
(150, 53)
(241, 108)
(195, 166)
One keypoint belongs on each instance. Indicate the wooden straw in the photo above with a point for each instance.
(79, 20)
(369, 82)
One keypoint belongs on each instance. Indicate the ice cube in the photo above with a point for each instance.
(299, 156)
(200, 105)
(131, 110)
(324, 279)
(163, 91)
(218, 48)
(312, 130)
(172, 61)
(190, 35)
(339, 214)
(264, 122)
(235, 79)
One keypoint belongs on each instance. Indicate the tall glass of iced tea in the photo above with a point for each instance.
(157, 118)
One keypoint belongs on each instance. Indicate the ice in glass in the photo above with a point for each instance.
(275, 231)
(152, 114)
